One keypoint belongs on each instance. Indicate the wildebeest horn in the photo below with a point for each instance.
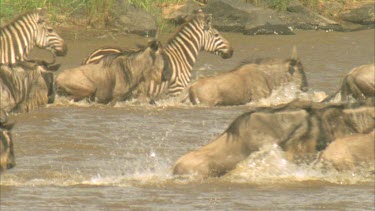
(294, 53)
(157, 33)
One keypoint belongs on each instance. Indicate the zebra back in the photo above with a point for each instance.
(26, 31)
(97, 55)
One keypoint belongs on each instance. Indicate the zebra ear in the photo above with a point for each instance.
(208, 21)
(42, 14)
(197, 11)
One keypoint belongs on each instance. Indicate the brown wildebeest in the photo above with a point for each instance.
(248, 82)
(25, 86)
(300, 128)
(358, 83)
(349, 152)
(7, 159)
(115, 77)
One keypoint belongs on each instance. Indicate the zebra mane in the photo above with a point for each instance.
(182, 26)
(19, 17)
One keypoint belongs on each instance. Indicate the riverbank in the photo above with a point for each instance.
(250, 17)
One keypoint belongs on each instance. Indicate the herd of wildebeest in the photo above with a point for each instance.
(339, 130)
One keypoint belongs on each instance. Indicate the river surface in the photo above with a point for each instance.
(80, 156)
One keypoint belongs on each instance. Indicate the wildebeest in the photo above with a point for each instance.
(359, 83)
(248, 82)
(115, 77)
(349, 152)
(300, 128)
(25, 86)
(7, 159)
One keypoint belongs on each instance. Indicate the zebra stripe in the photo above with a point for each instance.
(97, 55)
(182, 50)
(21, 35)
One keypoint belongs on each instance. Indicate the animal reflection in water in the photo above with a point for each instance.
(299, 128)
(7, 159)
(248, 82)
(115, 77)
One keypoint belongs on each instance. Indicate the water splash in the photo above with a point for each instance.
(287, 94)
(268, 165)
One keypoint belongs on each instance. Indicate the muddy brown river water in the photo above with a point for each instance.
(77, 156)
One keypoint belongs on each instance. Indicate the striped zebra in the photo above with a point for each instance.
(181, 52)
(23, 33)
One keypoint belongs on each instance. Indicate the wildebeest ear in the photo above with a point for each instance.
(8, 125)
(4, 122)
(154, 44)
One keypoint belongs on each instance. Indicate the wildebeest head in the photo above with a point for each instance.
(160, 70)
(47, 37)
(294, 67)
(7, 159)
(150, 62)
(212, 41)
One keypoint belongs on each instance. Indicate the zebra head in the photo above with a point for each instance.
(47, 37)
(7, 159)
(213, 41)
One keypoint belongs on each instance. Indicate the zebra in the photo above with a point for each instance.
(26, 31)
(181, 52)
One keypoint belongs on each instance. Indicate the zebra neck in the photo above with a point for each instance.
(182, 52)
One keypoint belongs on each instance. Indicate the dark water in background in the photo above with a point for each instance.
(76, 156)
